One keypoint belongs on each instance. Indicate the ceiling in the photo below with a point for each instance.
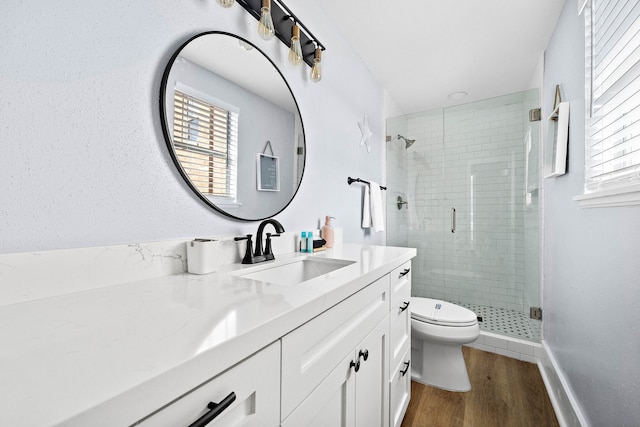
(423, 50)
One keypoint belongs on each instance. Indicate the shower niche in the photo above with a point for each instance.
(470, 180)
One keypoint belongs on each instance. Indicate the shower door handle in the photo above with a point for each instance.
(453, 220)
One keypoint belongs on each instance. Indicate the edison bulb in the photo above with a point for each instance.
(316, 70)
(265, 26)
(295, 53)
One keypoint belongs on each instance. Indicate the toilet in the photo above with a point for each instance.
(438, 331)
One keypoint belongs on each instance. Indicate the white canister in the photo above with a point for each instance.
(202, 256)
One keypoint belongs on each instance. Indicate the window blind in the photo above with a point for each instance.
(205, 138)
(613, 128)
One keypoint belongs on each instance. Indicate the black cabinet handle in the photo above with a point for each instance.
(355, 365)
(215, 409)
(406, 369)
(405, 306)
(363, 354)
(405, 272)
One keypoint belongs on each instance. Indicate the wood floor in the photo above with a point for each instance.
(504, 392)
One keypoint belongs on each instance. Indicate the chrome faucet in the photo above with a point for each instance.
(261, 254)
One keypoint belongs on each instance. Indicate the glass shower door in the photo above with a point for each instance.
(485, 197)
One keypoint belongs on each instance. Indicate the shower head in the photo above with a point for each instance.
(408, 142)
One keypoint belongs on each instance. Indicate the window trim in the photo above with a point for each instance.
(612, 195)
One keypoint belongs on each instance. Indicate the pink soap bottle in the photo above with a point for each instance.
(327, 232)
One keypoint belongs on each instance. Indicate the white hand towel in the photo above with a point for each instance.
(377, 209)
(366, 209)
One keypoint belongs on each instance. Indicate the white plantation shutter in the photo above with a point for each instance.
(613, 59)
(205, 139)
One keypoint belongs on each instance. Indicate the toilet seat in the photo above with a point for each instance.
(441, 313)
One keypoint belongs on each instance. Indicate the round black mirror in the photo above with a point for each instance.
(232, 126)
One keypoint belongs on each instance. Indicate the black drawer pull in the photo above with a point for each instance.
(405, 272)
(215, 409)
(405, 306)
(355, 365)
(404, 372)
(364, 354)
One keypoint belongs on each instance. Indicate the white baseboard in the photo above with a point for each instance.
(562, 398)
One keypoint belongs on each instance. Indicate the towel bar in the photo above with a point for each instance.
(352, 180)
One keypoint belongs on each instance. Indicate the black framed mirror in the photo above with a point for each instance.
(225, 107)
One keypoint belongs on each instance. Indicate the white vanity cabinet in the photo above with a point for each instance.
(400, 343)
(335, 367)
(255, 382)
(348, 366)
(171, 345)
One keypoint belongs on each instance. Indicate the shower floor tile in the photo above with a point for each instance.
(506, 322)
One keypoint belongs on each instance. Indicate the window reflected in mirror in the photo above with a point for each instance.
(206, 143)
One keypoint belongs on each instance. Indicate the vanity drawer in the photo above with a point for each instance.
(255, 383)
(400, 316)
(311, 352)
(399, 332)
(401, 284)
(400, 389)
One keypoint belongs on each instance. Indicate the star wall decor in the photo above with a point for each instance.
(366, 133)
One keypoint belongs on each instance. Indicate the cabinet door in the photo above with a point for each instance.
(372, 393)
(313, 350)
(347, 397)
(331, 403)
(256, 384)
(400, 319)
(400, 389)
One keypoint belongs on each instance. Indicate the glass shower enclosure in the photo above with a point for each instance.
(465, 193)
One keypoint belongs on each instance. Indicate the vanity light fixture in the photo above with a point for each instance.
(316, 70)
(295, 52)
(266, 29)
(285, 26)
(226, 3)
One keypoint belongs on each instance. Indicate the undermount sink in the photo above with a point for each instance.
(296, 272)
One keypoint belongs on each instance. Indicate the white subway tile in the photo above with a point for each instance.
(528, 358)
(485, 347)
(496, 342)
(520, 347)
(508, 353)
(537, 351)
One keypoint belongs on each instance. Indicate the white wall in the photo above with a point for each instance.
(592, 274)
(84, 162)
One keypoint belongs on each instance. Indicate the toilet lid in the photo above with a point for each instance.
(441, 312)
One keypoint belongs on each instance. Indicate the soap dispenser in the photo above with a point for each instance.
(327, 231)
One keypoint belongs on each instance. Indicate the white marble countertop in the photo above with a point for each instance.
(108, 356)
